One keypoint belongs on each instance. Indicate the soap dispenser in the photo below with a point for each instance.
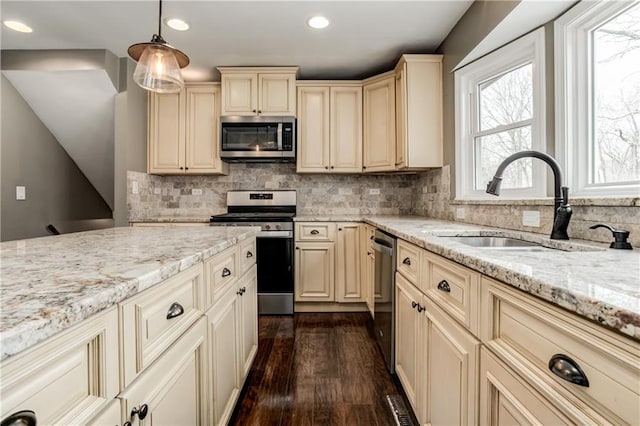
(620, 237)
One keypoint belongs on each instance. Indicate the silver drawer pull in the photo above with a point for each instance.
(444, 286)
(249, 254)
(175, 310)
(567, 369)
(314, 232)
(226, 272)
(406, 261)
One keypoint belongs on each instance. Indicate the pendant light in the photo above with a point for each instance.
(159, 64)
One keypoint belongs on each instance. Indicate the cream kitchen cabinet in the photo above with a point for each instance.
(379, 123)
(233, 341)
(174, 390)
(418, 112)
(349, 286)
(528, 338)
(437, 359)
(329, 127)
(258, 91)
(184, 133)
(367, 265)
(328, 262)
(68, 379)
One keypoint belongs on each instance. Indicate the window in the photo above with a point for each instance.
(500, 111)
(598, 92)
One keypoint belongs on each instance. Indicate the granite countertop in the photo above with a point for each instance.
(51, 283)
(584, 277)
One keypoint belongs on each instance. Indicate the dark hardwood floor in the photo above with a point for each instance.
(316, 369)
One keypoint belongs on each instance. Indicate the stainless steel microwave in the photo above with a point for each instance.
(258, 139)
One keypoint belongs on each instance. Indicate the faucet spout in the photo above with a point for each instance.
(561, 208)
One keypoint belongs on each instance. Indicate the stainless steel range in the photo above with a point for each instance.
(273, 212)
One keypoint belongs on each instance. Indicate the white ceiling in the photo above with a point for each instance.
(364, 38)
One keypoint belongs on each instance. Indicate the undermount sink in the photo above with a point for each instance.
(499, 243)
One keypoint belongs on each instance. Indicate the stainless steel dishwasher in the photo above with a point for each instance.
(384, 246)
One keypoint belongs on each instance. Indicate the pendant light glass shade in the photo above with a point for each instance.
(158, 70)
(159, 64)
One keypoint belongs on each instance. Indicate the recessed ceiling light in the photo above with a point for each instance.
(18, 26)
(318, 22)
(177, 24)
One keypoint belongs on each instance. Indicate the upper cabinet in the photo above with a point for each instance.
(183, 131)
(258, 91)
(329, 128)
(418, 83)
(379, 123)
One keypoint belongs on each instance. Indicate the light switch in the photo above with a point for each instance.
(196, 191)
(531, 218)
(21, 193)
(374, 191)
(157, 191)
(134, 187)
(460, 213)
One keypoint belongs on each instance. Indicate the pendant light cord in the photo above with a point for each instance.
(160, 20)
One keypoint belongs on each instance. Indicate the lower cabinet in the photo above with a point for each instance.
(328, 263)
(233, 343)
(436, 360)
(174, 390)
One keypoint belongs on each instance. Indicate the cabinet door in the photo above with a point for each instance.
(314, 272)
(277, 94)
(452, 364)
(202, 130)
(379, 126)
(313, 130)
(248, 287)
(111, 415)
(507, 399)
(408, 329)
(174, 388)
(223, 330)
(346, 129)
(166, 133)
(239, 94)
(401, 116)
(348, 283)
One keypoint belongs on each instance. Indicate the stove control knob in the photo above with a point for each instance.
(278, 227)
(267, 227)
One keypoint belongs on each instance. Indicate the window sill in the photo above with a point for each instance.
(598, 202)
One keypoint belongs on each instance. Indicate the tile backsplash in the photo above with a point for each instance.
(172, 197)
(195, 198)
(432, 198)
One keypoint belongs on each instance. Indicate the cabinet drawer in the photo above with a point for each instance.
(246, 256)
(67, 379)
(528, 333)
(154, 319)
(453, 287)
(408, 261)
(220, 273)
(315, 231)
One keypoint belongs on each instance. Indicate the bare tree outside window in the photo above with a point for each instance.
(505, 111)
(615, 145)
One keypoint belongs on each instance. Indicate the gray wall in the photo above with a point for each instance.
(57, 192)
(471, 29)
(130, 138)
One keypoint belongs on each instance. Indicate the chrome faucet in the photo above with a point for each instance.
(562, 210)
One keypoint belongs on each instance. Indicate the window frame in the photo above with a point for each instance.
(527, 49)
(573, 94)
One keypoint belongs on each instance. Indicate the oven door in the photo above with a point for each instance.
(274, 250)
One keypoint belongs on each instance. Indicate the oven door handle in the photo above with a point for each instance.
(274, 234)
(382, 248)
(279, 137)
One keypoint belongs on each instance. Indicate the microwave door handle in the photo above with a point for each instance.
(280, 137)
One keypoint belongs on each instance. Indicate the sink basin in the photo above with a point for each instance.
(499, 243)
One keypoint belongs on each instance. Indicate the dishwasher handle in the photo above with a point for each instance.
(382, 246)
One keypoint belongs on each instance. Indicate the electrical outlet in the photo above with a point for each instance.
(134, 187)
(157, 191)
(196, 191)
(374, 191)
(21, 193)
(531, 218)
(460, 213)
